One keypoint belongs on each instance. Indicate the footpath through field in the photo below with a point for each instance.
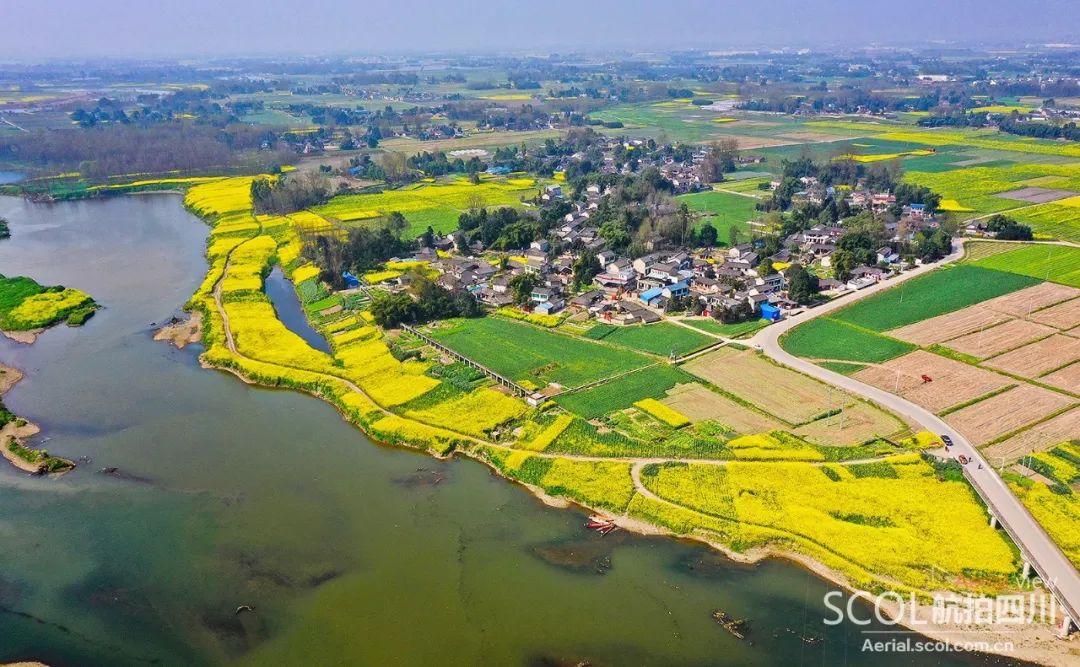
(1035, 545)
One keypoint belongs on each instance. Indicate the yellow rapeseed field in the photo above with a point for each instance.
(475, 413)
(668, 415)
(910, 526)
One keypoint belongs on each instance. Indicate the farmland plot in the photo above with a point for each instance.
(623, 392)
(952, 382)
(1037, 438)
(1062, 316)
(1060, 264)
(936, 293)
(1067, 378)
(784, 393)
(951, 325)
(998, 339)
(1025, 301)
(1008, 411)
(1040, 357)
(524, 352)
(856, 424)
(699, 403)
(662, 338)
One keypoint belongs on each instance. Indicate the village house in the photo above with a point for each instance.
(886, 255)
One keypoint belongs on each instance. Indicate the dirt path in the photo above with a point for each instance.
(648, 460)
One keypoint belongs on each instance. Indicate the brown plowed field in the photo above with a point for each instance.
(699, 403)
(1036, 439)
(949, 326)
(1029, 299)
(1067, 378)
(953, 382)
(997, 415)
(1039, 357)
(1062, 316)
(784, 393)
(995, 340)
(858, 423)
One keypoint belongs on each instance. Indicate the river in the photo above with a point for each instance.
(351, 553)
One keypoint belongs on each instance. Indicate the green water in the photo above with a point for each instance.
(351, 553)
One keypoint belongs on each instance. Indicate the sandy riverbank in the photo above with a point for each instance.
(25, 337)
(18, 429)
(182, 332)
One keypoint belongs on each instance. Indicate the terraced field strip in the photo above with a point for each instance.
(1006, 412)
(788, 395)
(1040, 357)
(1038, 438)
(951, 382)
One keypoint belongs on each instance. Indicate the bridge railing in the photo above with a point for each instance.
(1049, 582)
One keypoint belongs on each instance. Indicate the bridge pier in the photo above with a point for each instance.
(1067, 627)
(993, 521)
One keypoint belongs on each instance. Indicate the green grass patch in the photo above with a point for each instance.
(841, 367)
(600, 331)
(826, 338)
(524, 352)
(662, 338)
(723, 210)
(736, 330)
(1059, 264)
(936, 293)
(25, 305)
(622, 393)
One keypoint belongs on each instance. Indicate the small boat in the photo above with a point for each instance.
(601, 524)
(736, 626)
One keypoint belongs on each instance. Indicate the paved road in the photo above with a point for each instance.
(1044, 555)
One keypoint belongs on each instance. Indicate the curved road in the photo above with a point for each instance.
(1036, 546)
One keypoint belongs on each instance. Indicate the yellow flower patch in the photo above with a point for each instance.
(40, 310)
(767, 447)
(548, 435)
(475, 413)
(305, 272)
(668, 415)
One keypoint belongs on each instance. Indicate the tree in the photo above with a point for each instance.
(521, 287)
(843, 261)
(427, 239)
(801, 285)
(733, 236)
(390, 310)
(586, 267)
(4, 231)
(707, 235)
(1008, 229)
(474, 202)
(397, 223)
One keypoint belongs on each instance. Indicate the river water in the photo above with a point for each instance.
(351, 553)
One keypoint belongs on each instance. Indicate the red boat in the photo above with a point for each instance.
(601, 524)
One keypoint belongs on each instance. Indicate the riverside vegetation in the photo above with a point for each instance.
(867, 512)
(27, 308)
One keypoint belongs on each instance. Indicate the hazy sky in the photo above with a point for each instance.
(57, 28)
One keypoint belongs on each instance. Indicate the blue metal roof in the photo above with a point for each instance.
(649, 295)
